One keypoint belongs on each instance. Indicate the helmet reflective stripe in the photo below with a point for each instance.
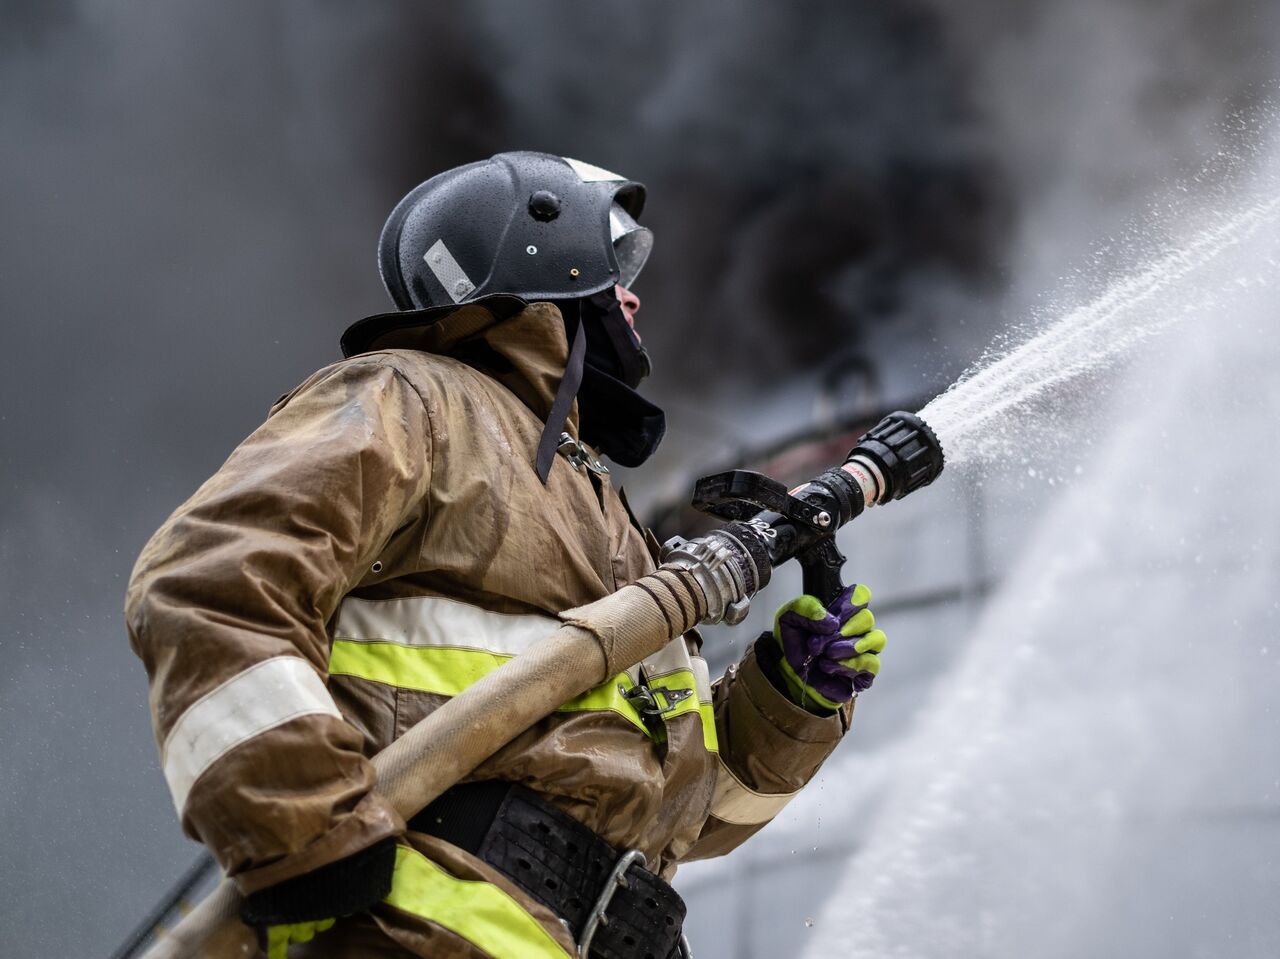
(452, 277)
(589, 172)
(631, 244)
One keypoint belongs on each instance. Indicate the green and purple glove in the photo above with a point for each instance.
(829, 654)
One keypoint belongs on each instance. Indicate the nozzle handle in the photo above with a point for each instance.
(821, 565)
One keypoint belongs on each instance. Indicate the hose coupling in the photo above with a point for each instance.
(724, 570)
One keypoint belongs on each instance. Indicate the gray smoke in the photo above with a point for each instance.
(817, 172)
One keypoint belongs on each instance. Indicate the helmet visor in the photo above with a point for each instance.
(631, 244)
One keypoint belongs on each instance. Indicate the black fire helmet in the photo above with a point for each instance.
(520, 227)
(531, 225)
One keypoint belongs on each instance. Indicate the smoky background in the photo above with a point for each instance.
(189, 208)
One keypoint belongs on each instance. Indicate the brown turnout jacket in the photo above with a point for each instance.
(380, 542)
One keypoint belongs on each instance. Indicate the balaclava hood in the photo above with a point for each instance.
(613, 417)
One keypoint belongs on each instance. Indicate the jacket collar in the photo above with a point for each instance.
(523, 346)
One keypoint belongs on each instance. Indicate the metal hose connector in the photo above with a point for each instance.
(724, 570)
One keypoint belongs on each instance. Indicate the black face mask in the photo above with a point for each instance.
(617, 420)
(613, 417)
(612, 345)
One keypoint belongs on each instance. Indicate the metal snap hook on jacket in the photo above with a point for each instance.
(579, 457)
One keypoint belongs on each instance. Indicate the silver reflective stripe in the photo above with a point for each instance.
(670, 658)
(702, 678)
(264, 696)
(589, 172)
(675, 656)
(436, 621)
(741, 805)
(452, 277)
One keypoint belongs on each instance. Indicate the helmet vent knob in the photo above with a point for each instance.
(544, 205)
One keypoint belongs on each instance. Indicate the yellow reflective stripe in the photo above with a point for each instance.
(709, 737)
(479, 912)
(608, 697)
(431, 669)
(683, 679)
(449, 670)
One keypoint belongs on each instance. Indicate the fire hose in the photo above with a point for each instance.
(709, 579)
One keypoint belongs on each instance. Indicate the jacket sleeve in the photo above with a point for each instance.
(228, 606)
(769, 749)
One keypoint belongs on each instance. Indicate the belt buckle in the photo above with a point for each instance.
(597, 918)
(617, 880)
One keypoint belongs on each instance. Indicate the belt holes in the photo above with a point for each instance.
(544, 828)
(670, 921)
(651, 903)
(522, 863)
(573, 849)
(650, 955)
(628, 940)
(377, 566)
(551, 884)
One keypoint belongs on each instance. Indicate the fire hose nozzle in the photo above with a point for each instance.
(897, 456)
(771, 524)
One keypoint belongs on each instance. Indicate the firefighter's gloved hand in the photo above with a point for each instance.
(280, 938)
(829, 654)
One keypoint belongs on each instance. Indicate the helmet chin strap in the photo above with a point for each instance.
(565, 393)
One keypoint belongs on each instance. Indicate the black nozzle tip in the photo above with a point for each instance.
(905, 449)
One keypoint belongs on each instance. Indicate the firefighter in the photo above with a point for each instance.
(405, 521)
